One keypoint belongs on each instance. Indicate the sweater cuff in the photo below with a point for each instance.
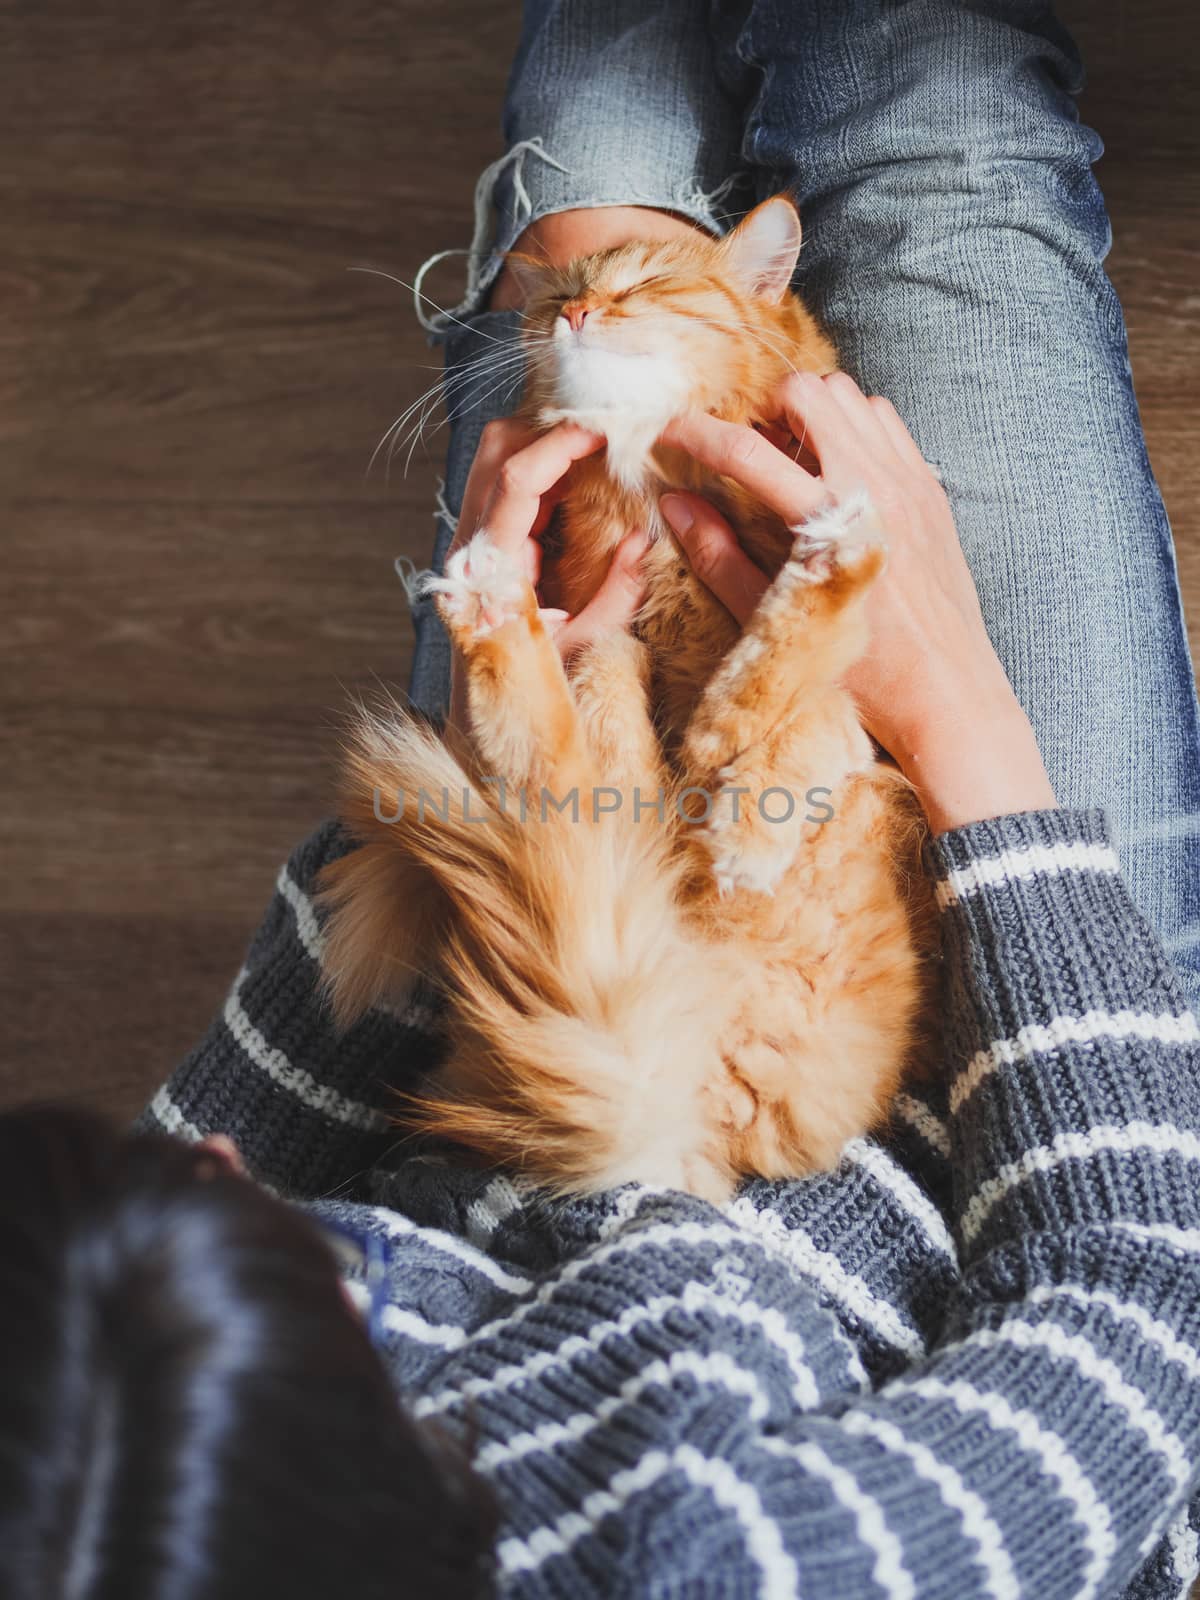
(1071, 1051)
(1046, 911)
(960, 852)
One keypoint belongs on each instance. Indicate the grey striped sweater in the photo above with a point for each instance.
(966, 1363)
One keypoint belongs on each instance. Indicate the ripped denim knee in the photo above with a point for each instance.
(519, 194)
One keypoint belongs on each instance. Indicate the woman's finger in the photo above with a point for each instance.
(520, 482)
(873, 445)
(615, 603)
(531, 555)
(830, 417)
(714, 553)
(740, 453)
(782, 437)
(501, 438)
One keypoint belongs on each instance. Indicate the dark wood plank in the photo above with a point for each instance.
(175, 726)
(98, 1006)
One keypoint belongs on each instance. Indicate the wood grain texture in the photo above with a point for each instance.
(197, 572)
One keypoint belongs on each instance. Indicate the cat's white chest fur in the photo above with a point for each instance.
(627, 397)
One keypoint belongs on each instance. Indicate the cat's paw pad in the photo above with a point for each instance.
(482, 589)
(838, 538)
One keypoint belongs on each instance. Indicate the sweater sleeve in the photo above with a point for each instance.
(305, 1102)
(1048, 1441)
(1072, 1056)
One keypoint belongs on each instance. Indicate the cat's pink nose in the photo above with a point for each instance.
(575, 315)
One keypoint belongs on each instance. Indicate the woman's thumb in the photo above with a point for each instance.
(615, 603)
(714, 553)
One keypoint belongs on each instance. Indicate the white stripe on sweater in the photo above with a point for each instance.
(888, 1568)
(628, 1203)
(1185, 1551)
(791, 1245)
(696, 1297)
(1170, 1347)
(307, 927)
(1038, 1038)
(978, 1525)
(778, 1577)
(890, 1175)
(169, 1116)
(172, 1118)
(1077, 1145)
(1055, 1460)
(1009, 866)
(407, 1324)
(1163, 1233)
(499, 1200)
(920, 1117)
(1150, 1328)
(1107, 1376)
(715, 1369)
(400, 1226)
(788, 1245)
(797, 1248)
(302, 1085)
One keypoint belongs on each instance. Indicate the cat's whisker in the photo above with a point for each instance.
(415, 432)
(441, 310)
(492, 360)
(398, 424)
(479, 400)
(768, 343)
(496, 365)
(388, 434)
(481, 367)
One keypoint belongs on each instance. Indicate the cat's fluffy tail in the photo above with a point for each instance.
(583, 1019)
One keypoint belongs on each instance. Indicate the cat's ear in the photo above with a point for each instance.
(528, 272)
(762, 250)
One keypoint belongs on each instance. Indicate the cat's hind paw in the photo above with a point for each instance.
(746, 846)
(483, 588)
(735, 869)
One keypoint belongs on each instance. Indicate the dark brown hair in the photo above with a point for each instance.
(188, 1408)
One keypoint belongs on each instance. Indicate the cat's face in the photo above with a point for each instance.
(622, 341)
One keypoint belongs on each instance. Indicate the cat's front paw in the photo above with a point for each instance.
(483, 588)
(843, 536)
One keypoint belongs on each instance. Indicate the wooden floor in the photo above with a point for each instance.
(191, 384)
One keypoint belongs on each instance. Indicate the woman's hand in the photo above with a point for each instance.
(931, 689)
(514, 484)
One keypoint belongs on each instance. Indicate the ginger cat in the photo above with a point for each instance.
(676, 977)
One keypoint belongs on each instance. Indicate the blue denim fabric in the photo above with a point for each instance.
(954, 240)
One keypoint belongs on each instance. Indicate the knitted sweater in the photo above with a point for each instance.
(966, 1363)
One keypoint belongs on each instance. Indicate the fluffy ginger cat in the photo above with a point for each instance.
(673, 899)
